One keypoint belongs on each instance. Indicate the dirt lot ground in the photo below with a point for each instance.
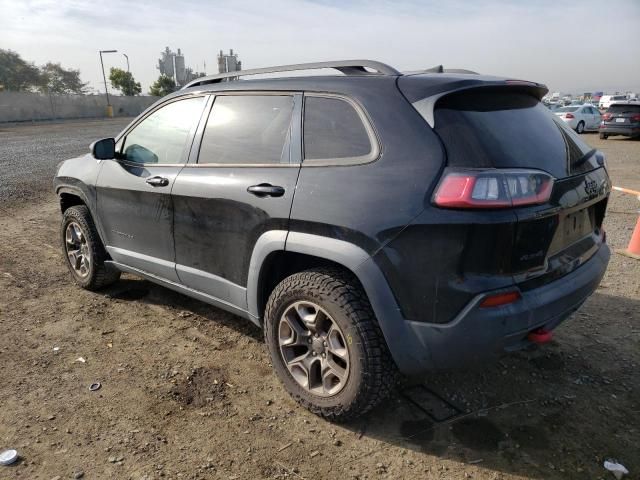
(187, 390)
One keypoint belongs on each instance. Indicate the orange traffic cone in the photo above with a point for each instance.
(633, 250)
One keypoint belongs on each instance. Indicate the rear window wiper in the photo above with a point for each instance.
(583, 159)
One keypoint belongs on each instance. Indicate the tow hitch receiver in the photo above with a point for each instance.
(540, 336)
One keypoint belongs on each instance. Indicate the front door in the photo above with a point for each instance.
(241, 187)
(133, 191)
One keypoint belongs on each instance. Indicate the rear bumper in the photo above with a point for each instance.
(571, 122)
(626, 131)
(480, 333)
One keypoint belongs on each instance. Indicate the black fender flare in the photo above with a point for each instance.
(406, 350)
(74, 191)
(61, 188)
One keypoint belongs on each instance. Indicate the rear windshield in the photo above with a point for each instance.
(494, 128)
(567, 109)
(624, 109)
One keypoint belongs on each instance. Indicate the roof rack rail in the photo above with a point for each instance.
(441, 69)
(348, 67)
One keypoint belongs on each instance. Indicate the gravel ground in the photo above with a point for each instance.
(188, 391)
(29, 153)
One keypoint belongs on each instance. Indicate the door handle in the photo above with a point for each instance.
(266, 190)
(158, 181)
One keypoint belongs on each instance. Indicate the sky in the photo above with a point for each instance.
(572, 46)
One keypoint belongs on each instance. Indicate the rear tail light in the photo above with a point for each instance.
(494, 188)
(635, 118)
(569, 115)
(607, 117)
(500, 299)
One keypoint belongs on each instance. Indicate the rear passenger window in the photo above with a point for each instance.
(333, 129)
(247, 129)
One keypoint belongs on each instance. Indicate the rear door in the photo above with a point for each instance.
(582, 114)
(239, 184)
(588, 117)
(133, 191)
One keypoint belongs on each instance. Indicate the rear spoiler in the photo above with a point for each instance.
(424, 99)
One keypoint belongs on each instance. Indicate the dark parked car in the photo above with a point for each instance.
(621, 119)
(371, 222)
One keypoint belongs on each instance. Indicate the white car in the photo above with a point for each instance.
(580, 117)
(607, 100)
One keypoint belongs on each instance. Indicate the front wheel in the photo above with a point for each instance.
(326, 346)
(84, 252)
(603, 136)
(580, 127)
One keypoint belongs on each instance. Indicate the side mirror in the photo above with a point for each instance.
(104, 149)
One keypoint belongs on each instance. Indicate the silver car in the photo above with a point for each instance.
(581, 118)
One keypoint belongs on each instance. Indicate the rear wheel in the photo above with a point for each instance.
(326, 346)
(603, 136)
(84, 252)
(580, 127)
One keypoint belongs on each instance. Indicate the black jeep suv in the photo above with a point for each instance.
(370, 222)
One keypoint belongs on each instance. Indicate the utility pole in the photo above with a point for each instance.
(109, 107)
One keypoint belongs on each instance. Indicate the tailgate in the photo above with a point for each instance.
(622, 115)
(554, 239)
(506, 135)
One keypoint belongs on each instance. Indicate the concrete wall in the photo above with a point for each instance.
(26, 107)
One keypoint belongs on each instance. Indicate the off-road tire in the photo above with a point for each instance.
(100, 275)
(372, 373)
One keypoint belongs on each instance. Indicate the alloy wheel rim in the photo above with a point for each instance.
(77, 249)
(313, 348)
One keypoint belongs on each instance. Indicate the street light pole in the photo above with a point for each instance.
(128, 77)
(104, 77)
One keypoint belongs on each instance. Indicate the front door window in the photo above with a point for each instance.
(161, 138)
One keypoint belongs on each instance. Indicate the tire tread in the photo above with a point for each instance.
(102, 275)
(380, 376)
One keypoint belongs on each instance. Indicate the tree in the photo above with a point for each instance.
(163, 86)
(124, 82)
(56, 79)
(17, 74)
